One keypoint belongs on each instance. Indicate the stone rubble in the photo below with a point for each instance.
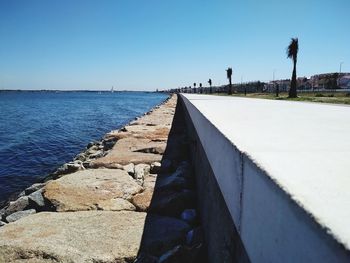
(18, 215)
(36, 199)
(127, 198)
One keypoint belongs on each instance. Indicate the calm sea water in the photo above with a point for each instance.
(39, 131)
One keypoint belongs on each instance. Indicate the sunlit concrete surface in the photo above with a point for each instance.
(303, 149)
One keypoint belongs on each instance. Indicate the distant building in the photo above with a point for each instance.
(303, 83)
(283, 85)
(329, 80)
(344, 82)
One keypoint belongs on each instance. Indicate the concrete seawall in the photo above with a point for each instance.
(269, 190)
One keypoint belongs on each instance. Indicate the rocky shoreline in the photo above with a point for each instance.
(127, 198)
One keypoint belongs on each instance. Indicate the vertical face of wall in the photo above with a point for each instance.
(221, 234)
(274, 228)
(224, 159)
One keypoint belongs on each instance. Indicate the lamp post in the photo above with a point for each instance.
(245, 88)
(273, 78)
(341, 63)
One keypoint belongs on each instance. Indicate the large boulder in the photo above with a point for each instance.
(175, 181)
(69, 168)
(36, 199)
(17, 205)
(34, 188)
(172, 203)
(87, 236)
(141, 170)
(94, 189)
(115, 204)
(129, 168)
(143, 200)
(131, 150)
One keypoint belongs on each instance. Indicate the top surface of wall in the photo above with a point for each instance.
(303, 147)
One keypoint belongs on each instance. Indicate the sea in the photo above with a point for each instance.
(41, 130)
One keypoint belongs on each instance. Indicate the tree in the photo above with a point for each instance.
(200, 88)
(210, 89)
(194, 87)
(229, 76)
(292, 53)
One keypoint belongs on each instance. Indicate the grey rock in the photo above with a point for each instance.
(141, 170)
(18, 205)
(2, 223)
(91, 144)
(2, 213)
(33, 188)
(171, 255)
(146, 258)
(107, 145)
(162, 233)
(20, 214)
(80, 157)
(130, 169)
(96, 155)
(156, 168)
(172, 203)
(175, 181)
(77, 163)
(86, 164)
(70, 168)
(195, 237)
(36, 199)
(23, 193)
(189, 216)
(185, 169)
(61, 170)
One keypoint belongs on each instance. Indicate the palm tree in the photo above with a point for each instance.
(229, 76)
(194, 87)
(292, 52)
(200, 88)
(210, 89)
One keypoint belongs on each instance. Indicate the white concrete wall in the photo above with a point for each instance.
(224, 159)
(272, 226)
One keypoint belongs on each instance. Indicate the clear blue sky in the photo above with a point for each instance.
(144, 45)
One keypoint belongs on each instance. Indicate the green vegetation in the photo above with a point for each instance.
(326, 97)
